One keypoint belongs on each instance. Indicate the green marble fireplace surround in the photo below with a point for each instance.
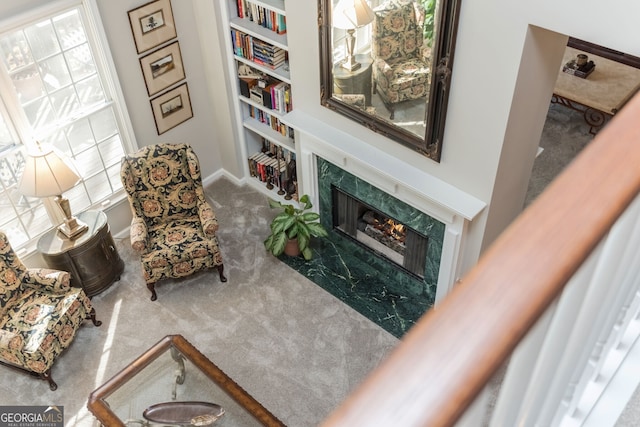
(368, 282)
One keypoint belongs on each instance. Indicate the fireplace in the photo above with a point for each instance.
(379, 232)
(391, 278)
(393, 297)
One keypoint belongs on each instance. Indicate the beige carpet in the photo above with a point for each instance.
(564, 135)
(294, 347)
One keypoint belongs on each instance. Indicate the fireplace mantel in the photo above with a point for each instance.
(387, 172)
(439, 199)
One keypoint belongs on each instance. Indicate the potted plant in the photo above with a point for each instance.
(294, 226)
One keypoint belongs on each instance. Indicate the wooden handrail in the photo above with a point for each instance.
(448, 357)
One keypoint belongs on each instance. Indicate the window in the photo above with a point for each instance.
(56, 91)
(362, 35)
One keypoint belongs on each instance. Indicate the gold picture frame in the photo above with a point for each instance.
(152, 24)
(162, 68)
(171, 108)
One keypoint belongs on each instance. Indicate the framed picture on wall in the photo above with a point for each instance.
(162, 68)
(152, 24)
(171, 108)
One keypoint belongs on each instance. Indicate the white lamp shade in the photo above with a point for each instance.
(350, 14)
(47, 173)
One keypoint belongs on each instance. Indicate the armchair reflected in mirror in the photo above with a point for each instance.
(387, 65)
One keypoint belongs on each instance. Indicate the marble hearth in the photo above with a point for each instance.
(370, 283)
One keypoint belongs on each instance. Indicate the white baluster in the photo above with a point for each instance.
(615, 291)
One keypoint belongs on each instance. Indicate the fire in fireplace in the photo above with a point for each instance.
(379, 232)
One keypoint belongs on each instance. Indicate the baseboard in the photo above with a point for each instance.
(220, 174)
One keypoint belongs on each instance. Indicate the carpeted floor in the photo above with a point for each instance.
(564, 135)
(294, 347)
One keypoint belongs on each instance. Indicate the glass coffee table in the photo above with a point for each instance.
(173, 384)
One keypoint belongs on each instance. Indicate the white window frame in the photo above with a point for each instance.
(104, 62)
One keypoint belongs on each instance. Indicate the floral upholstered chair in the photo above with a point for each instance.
(400, 70)
(39, 314)
(173, 226)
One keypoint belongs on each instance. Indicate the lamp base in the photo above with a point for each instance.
(72, 227)
(351, 64)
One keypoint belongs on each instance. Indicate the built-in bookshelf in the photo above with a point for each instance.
(259, 51)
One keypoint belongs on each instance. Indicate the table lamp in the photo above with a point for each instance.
(47, 173)
(350, 15)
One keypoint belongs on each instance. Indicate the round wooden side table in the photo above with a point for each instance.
(354, 82)
(91, 258)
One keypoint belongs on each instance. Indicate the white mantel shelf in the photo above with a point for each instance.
(341, 148)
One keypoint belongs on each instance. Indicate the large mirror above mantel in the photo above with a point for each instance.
(387, 64)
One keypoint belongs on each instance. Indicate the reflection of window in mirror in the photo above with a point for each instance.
(382, 58)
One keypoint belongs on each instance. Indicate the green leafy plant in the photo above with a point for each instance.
(294, 223)
(429, 19)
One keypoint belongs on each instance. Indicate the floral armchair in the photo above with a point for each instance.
(173, 226)
(39, 314)
(400, 71)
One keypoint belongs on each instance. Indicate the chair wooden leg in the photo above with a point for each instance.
(152, 288)
(221, 273)
(92, 316)
(47, 376)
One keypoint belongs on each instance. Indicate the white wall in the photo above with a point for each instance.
(200, 131)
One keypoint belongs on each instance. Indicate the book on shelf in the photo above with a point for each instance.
(262, 16)
(275, 123)
(279, 98)
(264, 166)
(266, 96)
(267, 48)
(269, 58)
(277, 101)
(268, 63)
(256, 50)
(240, 8)
(267, 55)
(274, 165)
(253, 171)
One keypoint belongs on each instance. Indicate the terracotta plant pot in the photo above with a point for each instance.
(291, 248)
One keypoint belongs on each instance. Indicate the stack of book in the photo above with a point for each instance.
(267, 54)
(262, 16)
(257, 50)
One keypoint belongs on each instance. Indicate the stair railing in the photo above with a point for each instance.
(575, 235)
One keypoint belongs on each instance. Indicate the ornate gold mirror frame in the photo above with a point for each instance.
(353, 81)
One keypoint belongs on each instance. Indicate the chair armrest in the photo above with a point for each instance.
(384, 68)
(207, 218)
(138, 233)
(47, 279)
